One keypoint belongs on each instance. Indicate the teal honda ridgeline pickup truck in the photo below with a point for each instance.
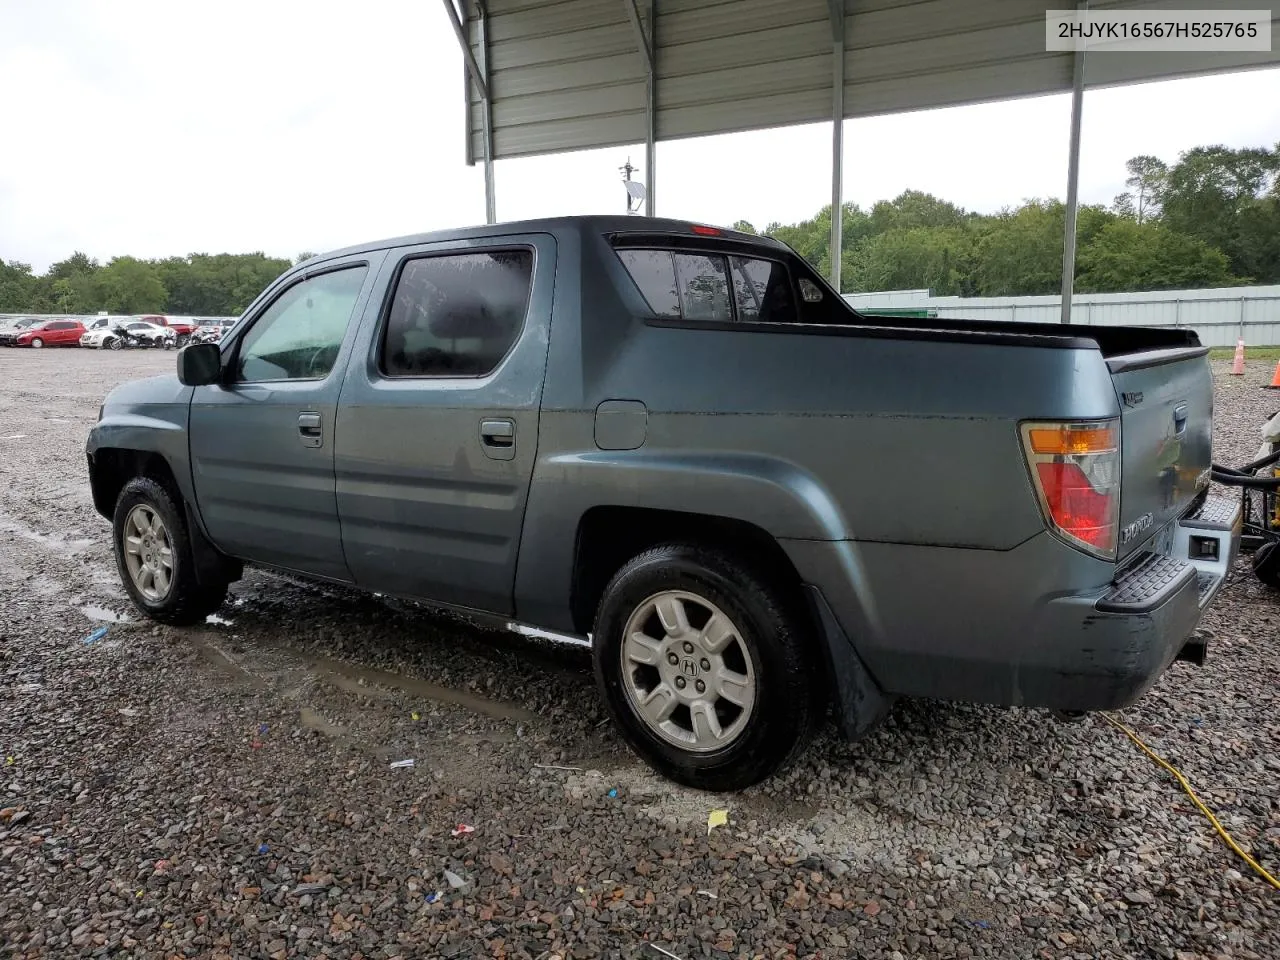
(680, 445)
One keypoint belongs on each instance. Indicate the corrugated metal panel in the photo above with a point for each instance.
(1112, 69)
(902, 56)
(567, 74)
(742, 63)
(563, 75)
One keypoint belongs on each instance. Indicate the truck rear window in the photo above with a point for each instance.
(711, 287)
(654, 274)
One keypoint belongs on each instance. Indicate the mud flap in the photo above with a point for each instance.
(857, 700)
(212, 566)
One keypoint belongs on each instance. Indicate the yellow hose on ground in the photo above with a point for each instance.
(1192, 794)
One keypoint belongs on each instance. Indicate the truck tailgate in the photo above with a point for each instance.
(1166, 404)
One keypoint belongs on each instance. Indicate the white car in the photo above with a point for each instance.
(105, 337)
(108, 320)
(12, 326)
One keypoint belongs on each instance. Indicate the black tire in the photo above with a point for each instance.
(188, 600)
(113, 343)
(774, 631)
(1266, 564)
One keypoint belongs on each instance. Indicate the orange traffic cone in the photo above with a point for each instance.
(1275, 380)
(1237, 366)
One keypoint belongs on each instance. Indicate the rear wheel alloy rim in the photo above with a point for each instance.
(148, 552)
(687, 671)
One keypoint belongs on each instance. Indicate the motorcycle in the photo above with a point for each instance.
(206, 335)
(123, 339)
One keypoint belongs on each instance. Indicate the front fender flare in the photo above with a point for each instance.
(147, 435)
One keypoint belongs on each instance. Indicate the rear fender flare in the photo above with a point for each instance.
(779, 497)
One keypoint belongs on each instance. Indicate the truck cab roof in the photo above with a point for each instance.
(600, 224)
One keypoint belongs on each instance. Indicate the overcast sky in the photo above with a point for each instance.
(155, 128)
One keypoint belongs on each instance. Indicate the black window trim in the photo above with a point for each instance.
(232, 355)
(747, 252)
(388, 301)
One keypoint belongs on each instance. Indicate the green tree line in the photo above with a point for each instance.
(214, 285)
(1210, 219)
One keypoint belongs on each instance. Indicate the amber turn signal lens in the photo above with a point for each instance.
(1073, 441)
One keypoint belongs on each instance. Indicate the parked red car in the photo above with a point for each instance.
(181, 328)
(51, 333)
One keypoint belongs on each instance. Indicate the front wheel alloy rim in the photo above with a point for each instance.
(687, 671)
(148, 552)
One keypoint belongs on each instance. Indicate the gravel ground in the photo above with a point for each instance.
(229, 791)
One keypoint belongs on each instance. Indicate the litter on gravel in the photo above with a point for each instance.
(955, 831)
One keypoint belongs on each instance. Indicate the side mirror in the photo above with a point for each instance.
(199, 364)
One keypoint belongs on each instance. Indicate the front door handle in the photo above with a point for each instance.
(498, 438)
(309, 429)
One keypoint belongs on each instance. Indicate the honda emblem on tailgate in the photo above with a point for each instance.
(1139, 526)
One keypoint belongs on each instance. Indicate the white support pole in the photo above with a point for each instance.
(836, 10)
(648, 49)
(473, 68)
(1073, 181)
(651, 115)
(479, 73)
(490, 197)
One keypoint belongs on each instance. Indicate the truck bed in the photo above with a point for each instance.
(1111, 341)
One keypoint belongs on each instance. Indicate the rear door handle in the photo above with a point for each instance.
(309, 429)
(1180, 420)
(498, 438)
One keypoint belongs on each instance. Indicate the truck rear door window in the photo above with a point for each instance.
(457, 314)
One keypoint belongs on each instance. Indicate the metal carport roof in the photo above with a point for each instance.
(550, 76)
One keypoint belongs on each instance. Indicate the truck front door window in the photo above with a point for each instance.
(299, 335)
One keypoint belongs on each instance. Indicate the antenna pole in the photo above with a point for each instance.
(627, 169)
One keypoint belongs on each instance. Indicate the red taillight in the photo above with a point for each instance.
(1076, 507)
(706, 231)
(1076, 470)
